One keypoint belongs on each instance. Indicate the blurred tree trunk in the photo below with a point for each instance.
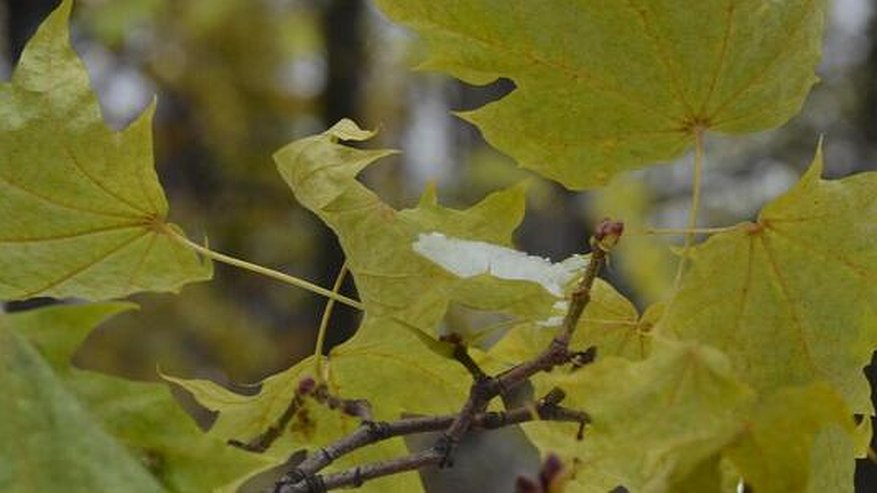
(345, 61)
(868, 110)
(342, 28)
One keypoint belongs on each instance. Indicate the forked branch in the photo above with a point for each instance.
(304, 478)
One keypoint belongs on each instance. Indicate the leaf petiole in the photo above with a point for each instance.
(324, 324)
(697, 176)
(685, 231)
(258, 269)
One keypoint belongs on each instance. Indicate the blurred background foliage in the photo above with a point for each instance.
(237, 79)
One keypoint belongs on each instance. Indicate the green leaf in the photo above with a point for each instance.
(604, 86)
(57, 331)
(654, 422)
(81, 210)
(141, 415)
(48, 440)
(665, 423)
(775, 449)
(791, 298)
(385, 363)
(392, 280)
(706, 477)
(832, 462)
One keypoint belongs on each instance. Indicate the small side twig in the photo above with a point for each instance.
(319, 392)
(263, 441)
(461, 354)
(472, 415)
(358, 408)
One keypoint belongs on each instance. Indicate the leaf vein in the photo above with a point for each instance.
(834, 256)
(784, 292)
(136, 270)
(576, 76)
(99, 184)
(663, 54)
(74, 272)
(723, 55)
(17, 186)
(784, 48)
(68, 236)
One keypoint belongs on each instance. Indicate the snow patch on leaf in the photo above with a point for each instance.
(555, 321)
(466, 258)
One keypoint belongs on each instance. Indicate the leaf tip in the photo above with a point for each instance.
(814, 172)
(63, 11)
(429, 198)
(56, 26)
(467, 116)
(347, 129)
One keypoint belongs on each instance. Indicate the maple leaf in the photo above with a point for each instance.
(50, 441)
(652, 421)
(834, 453)
(81, 210)
(775, 450)
(609, 85)
(790, 298)
(681, 420)
(141, 420)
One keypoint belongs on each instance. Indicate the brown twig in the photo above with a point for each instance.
(307, 387)
(547, 409)
(263, 441)
(358, 408)
(461, 354)
(303, 479)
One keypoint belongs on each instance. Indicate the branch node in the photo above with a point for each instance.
(554, 397)
(328, 454)
(378, 430)
(579, 359)
(494, 419)
(444, 447)
(292, 477)
(483, 390)
(315, 483)
(357, 477)
(461, 354)
(559, 352)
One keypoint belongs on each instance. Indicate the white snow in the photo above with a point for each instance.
(466, 258)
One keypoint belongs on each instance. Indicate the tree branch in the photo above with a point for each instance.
(472, 415)
(557, 352)
(546, 409)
